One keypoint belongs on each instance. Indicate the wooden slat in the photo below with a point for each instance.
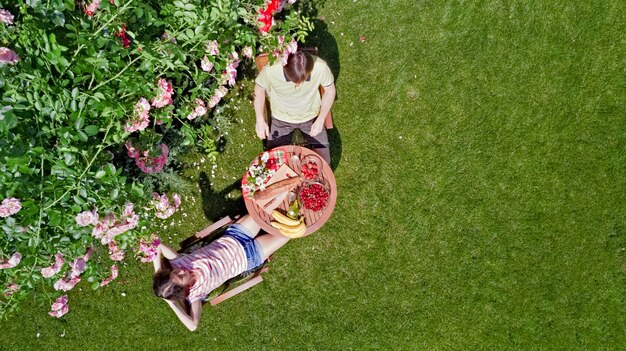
(227, 295)
(206, 231)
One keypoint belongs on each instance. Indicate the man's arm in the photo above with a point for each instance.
(262, 129)
(327, 102)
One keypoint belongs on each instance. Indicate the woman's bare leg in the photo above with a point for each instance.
(270, 243)
(251, 226)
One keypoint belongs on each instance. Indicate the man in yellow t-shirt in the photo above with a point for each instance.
(295, 101)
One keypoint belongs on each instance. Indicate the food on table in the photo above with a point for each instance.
(276, 188)
(290, 231)
(314, 197)
(309, 170)
(294, 209)
(281, 218)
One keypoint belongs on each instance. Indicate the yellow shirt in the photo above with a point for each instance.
(291, 103)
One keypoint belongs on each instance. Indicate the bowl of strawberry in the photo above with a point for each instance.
(313, 196)
(311, 167)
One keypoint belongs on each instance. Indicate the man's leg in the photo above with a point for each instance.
(280, 133)
(318, 143)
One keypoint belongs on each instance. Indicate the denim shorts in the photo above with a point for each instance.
(254, 252)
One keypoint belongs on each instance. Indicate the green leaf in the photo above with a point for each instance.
(190, 33)
(69, 159)
(110, 169)
(78, 200)
(138, 12)
(80, 121)
(58, 18)
(55, 218)
(92, 130)
(100, 174)
(82, 136)
(115, 193)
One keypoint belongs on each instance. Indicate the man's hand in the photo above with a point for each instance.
(262, 129)
(317, 126)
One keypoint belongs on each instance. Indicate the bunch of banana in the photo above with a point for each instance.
(289, 227)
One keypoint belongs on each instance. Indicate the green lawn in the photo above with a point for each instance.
(480, 161)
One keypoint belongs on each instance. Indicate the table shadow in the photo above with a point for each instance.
(217, 204)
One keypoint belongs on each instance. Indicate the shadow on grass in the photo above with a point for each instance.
(217, 205)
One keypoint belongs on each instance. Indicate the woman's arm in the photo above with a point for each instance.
(168, 252)
(190, 321)
(157, 260)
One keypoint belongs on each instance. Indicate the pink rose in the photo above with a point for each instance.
(247, 52)
(115, 253)
(214, 101)
(88, 253)
(114, 273)
(66, 284)
(55, 267)
(60, 312)
(141, 117)
(11, 288)
(10, 207)
(60, 302)
(132, 151)
(150, 164)
(78, 267)
(59, 307)
(292, 46)
(129, 210)
(164, 97)
(176, 199)
(86, 218)
(212, 48)
(91, 9)
(148, 250)
(6, 16)
(231, 74)
(99, 230)
(221, 91)
(206, 64)
(11, 262)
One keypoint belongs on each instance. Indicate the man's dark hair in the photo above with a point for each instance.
(299, 66)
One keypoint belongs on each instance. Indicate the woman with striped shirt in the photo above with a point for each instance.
(195, 275)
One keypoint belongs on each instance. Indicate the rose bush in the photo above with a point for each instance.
(86, 84)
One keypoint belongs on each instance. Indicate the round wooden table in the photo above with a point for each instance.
(313, 220)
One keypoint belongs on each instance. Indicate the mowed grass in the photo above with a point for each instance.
(480, 161)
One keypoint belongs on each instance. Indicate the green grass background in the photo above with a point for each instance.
(480, 160)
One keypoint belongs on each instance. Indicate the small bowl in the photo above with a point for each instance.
(316, 162)
(313, 196)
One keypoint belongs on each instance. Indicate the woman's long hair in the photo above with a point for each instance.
(164, 287)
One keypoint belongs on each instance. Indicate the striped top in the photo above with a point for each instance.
(213, 264)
